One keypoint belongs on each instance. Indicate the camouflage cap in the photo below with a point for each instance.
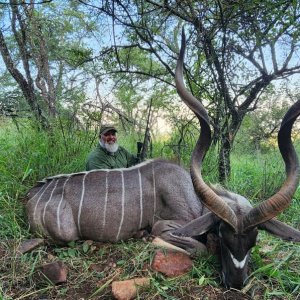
(105, 128)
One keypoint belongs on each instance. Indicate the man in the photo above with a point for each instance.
(108, 154)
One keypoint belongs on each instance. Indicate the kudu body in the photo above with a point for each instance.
(112, 205)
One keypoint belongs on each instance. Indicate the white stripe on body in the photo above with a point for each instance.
(123, 199)
(50, 198)
(141, 199)
(105, 203)
(37, 202)
(154, 194)
(37, 193)
(80, 205)
(59, 205)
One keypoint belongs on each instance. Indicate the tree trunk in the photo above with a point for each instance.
(224, 164)
(44, 80)
(227, 136)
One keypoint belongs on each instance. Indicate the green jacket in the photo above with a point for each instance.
(100, 158)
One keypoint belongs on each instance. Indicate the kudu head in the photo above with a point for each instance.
(236, 220)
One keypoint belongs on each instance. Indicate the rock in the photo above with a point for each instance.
(56, 272)
(171, 263)
(127, 289)
(29, 245)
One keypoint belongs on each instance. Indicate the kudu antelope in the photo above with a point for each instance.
(113, 205)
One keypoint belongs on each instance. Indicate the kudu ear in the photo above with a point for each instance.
(281, 230)
(197, 226)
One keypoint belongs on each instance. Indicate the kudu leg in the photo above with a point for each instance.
(164, 229)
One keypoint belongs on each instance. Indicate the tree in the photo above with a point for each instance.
(40, 48)
(30, 42)
(236, 50)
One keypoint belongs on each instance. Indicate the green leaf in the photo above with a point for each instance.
(71, 244)
(71, 252)
(121, 262)
(85, 247)
(201, 280)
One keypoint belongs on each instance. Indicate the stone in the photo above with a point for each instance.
(29, 245)
(56, 272)
(127, 289)
(171, 263)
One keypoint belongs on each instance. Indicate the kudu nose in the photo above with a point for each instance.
(234, 282)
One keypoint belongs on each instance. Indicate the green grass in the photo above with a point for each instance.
(28, 155)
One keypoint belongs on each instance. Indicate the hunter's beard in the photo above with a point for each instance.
(112, 148)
